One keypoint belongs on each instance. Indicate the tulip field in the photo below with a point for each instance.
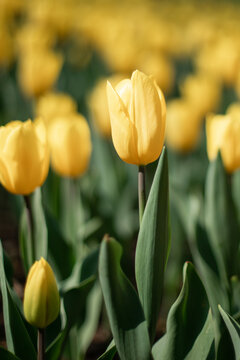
(119, 180)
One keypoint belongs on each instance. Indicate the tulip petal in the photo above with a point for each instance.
(147, 117)
(215, 129)
(230, 148)
(123, 130)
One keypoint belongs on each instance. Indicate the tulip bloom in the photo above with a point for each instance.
(53, 105)
(70, 145)
(24, 156)
(41, 297)
(223, 133)
(138, 114)
(183, 125)
(38, 71)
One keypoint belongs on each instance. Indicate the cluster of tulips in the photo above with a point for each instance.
(104, 138)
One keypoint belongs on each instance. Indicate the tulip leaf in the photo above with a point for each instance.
(229, 346)
(7, 355)
(18, 340)
(40, 234)
(153, 245)
(54, 350)
(90, 322)
(221, 220)
(109, 353)
(186, 320)
(203, 347)
(58, 246)
(72, 210)
(124, 309)
(205, 261)
(75, 301)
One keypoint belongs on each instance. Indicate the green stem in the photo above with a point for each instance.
(41, 347)
(141, 191)
(30, 220)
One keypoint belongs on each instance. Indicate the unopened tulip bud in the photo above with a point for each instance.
(41, 297)
(70, 145)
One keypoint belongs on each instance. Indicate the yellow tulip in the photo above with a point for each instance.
(53, 105)
(24, 156)
(183, 125)
(41, 302)
(223, 133)
(99, 106)
(70, 145)
(203, 91)
(138, 114)
(160, 67)
(38, 71)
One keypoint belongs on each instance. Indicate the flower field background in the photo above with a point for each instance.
(160, 278)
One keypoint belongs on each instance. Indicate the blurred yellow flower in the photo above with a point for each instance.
(183, 125)
(223, 133)
(160, 67)
(221, 59)
(41, 302)
(137, 113)
(52, 105)
(203, 92)
(32, 36)
(38, 71)
(99, 107)
(70, 145)
(24, 156)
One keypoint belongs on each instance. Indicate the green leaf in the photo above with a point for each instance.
(7, 355)
(204, 343)
(58, 246)
(40, 235)
(18, 340)
(90, 323)
(123, 307)
(152, 246)
(54, 349)
(221, 221)
(72, 210)
(75, 301)
(205, 261)
(232, 345)
(109, 353)
(185, 320)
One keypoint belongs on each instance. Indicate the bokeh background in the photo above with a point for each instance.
(57, 55)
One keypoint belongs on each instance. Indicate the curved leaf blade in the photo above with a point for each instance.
(186, 319)
(152, 246)
(124, 309)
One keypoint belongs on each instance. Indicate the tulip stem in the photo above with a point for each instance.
(141, 191)
(30, 227)
(41, 347)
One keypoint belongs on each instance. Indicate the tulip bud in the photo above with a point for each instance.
(41, 302)
(223, 133)
(24, 156)
(137, 113)
(203, 92)
(70, 145)
(52, 105)
(38, 71)
(183, 125)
